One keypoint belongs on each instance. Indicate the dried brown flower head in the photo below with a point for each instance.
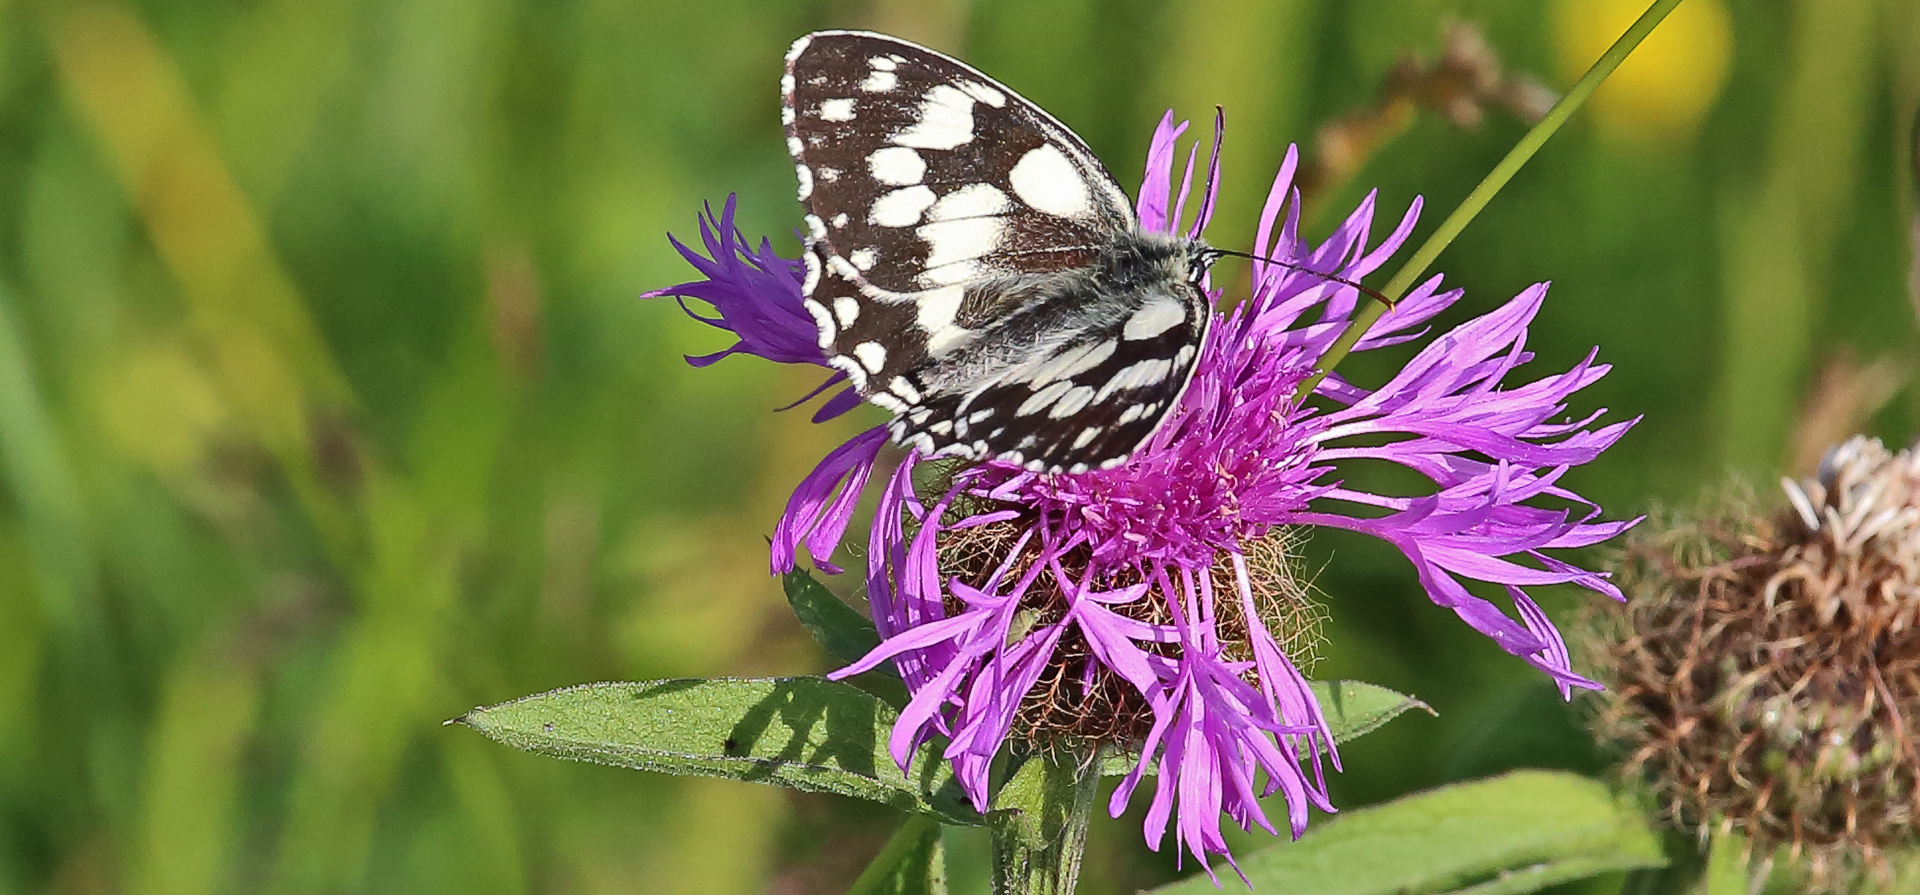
(1765, 669)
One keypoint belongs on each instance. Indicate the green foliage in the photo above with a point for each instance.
(1520, 832)
(803, 733)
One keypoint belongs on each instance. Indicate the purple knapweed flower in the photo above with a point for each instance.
(1132, 605)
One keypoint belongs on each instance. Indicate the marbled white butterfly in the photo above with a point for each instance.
(974, 269)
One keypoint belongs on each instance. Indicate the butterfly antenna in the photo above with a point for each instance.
(1213, 172)
(1331, 278)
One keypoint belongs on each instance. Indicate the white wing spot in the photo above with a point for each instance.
(946, 121)
(806, 180)
(1139, 375)
(816, 227)
(882, 399)
(862, 258)
(1181, 359)
(951, 274)
(849, 366)
(836, 109)
(975, 200)
(900, 386)
(1046, 180)
(1130, 414)
(1087, 436)
(949, 242)
(794, 148)
(897, 166)
(1039, 400)
(1072, 402)
(1069, 364)
(900, 208)
(786, 84)
(943, 427)
(984, 94)
(979, 416)
(872, 355)
(824, 321)
(879, 82)
(1161, 313)
(842, 268)
(840, 220)
(846, 309)
(941, 341)
(786, 115)
(881, 63)
(813, 273)
(936, 308)
(828, 174)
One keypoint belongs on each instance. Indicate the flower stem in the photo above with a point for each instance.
(1039, 823)
(1496, 179)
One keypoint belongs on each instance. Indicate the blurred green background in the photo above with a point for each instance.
(327, 409)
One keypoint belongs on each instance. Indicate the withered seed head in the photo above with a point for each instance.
(1764, 673)
(1081, 699)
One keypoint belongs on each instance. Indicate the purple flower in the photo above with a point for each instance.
(1133, 605)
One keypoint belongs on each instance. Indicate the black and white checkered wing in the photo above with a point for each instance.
(952, 229)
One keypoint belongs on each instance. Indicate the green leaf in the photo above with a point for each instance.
(1727, 864)
(912, 863)
(1352, 708)
(1518, 832)
(845, 633)
(802, 733)
(1357, 708)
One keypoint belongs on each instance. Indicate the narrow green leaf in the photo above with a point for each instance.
(912, 863)
(1352, 708)
(1518, 832)
(802, 732)
(1357, 708)
(845, 633)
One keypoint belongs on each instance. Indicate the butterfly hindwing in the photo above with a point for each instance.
(1082, 400)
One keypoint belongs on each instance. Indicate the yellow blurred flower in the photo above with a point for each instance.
(1672, 78)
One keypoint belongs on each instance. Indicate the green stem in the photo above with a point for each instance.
(912, 861)
(1484, 193)
(1039, 823)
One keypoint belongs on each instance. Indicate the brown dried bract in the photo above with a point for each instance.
(1766, 667)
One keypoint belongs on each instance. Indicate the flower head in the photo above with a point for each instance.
(1137, 606)
(1763, 669)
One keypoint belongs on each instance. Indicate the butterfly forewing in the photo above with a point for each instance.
(972, 266)
(925, 173)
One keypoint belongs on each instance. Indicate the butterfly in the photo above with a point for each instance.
(974, 269)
